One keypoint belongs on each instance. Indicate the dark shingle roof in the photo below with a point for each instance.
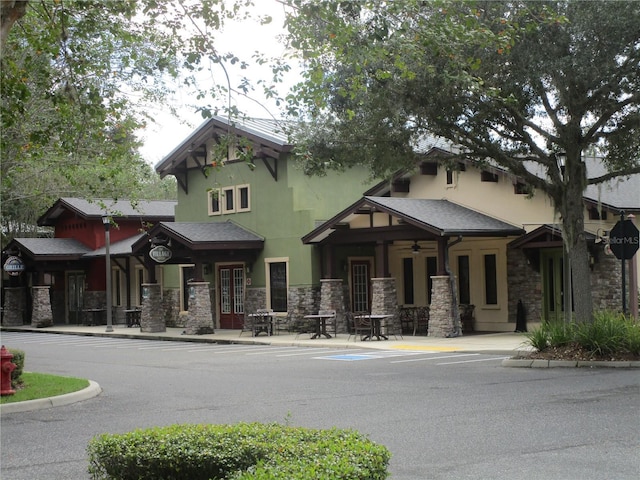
(121, 248)
(210, 232)
(51, 247)
(144, 209)
(443, 215)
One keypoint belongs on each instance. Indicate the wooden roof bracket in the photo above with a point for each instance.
(272, 167)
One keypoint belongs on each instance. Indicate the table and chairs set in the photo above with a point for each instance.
(324, 324)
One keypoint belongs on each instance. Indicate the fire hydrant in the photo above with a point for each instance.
(6, 368)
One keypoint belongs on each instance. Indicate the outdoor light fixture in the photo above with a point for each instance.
(106, 221)
(415, 248)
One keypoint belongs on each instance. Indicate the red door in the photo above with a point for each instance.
(231, 295)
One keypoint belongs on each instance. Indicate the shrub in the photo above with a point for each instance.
(18, 359)
(551, 334)
(604, 335)
(238, 452)
(608, 333)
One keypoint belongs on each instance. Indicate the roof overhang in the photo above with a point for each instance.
(410, 218)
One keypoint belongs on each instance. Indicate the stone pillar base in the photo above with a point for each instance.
(14, 306)
(332, 298)
(441, 320)
(200, 319)
(41, 313)
(152, 315)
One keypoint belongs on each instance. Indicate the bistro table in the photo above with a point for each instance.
(376, 330)
(321, 323)
(93, 316)
(133, 317)
(261, 322)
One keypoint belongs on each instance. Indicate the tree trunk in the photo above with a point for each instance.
(10, 12)
(575, 244)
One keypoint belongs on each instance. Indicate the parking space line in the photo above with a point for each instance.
(435, 358)
(473, 361)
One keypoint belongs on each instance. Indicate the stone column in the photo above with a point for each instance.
(441, 321)
(41, 312)
(14, 306)
(332, 298)
(384, 298)
(152, 315)
(200, 318)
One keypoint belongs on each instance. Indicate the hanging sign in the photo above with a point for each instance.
(14, 265)
(160, 254)
(623, 240)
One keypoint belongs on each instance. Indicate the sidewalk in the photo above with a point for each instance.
(495, 343)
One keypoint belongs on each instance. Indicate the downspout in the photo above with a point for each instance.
(457, 329)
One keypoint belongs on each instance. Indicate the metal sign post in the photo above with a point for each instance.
(624, 240)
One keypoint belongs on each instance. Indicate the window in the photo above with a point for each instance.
(490, 280)
(228, 200)
(187, 273)
(432, 271)
(407, 271)
(450, 177)
(596, 214)
(486, 176)
(520, 188)
(139, 282)
(277, 284)
(243, 200)
(213, 196)
(464, 295)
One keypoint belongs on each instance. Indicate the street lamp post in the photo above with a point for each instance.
(106, 221)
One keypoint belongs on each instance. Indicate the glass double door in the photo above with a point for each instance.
(553, 284)
(231, 293)
(75, 296)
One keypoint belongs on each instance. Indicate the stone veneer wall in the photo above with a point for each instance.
(525, 284)
(41, 313)
(94, 299)
(606, 283)
(200, 318)
(384, 299)
(14, 306)
(255, 298)
(171, 308)
(332, 298)
(152, 315)
(441, 321)
(301, 301)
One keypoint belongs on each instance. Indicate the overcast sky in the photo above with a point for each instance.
(241, 39)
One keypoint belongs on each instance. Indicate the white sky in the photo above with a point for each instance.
(242, 40)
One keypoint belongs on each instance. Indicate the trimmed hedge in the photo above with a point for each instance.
(236, 452)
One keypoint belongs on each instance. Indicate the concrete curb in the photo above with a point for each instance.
(93, 390)
(540, 363)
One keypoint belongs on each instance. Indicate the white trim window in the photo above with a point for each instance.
(243, 198)
(227, 199)
(213, 202)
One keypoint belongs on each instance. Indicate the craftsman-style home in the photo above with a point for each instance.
(253, 231)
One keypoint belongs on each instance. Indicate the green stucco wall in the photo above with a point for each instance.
(282, 210)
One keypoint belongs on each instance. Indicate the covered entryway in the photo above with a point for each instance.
(221, 248)
(395, 231)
